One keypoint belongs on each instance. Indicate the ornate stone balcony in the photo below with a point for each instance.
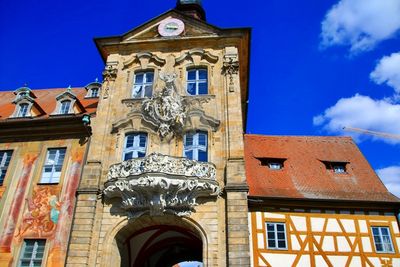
(160, 184)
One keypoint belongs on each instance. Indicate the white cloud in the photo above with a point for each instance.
(362, 112)
(391, 178)
(388, 71)
(361, 24)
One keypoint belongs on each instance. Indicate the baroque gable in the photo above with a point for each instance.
(192, 28)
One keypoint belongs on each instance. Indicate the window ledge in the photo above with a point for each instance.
(43, 184)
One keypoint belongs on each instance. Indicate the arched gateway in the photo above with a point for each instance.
(155, 242)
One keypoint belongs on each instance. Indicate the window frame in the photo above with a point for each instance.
(26, 114)
(94, 89)
(197, 80)
(392, 251)
(33, 253)
(195, 147)
(143, 84)
(3, 166)
(276, 239)
(53, 179)
(133, 149)
(62, 108)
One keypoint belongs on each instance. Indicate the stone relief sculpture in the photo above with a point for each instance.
(165, 110)
(160, 184)
(41, 217)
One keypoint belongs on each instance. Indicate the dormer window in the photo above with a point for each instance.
(94, 92)
(68, 104)
(65, 107)
(93, 89)
(23, 110)
(275, 165)
(339, 168)
(272, 163)
(25, 105)
(336, 167)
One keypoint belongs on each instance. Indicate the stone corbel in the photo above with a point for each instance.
(230, 68)
(196, 55)
(144, 59)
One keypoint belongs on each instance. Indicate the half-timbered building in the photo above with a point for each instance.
(315, 201)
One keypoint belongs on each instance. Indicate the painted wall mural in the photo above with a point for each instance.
(41, 217)
(17, 204)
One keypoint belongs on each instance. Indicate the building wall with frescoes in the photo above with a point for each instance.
(43, 143)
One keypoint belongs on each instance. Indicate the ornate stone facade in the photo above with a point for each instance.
(208, 198)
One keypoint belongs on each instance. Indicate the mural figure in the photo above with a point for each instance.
(41, 217)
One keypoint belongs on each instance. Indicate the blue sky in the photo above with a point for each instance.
(316, 66)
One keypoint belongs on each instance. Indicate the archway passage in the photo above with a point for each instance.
(160, 246)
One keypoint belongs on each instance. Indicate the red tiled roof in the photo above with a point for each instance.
(304, 174)
(46, 99)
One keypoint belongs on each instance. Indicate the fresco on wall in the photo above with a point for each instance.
(41, 217)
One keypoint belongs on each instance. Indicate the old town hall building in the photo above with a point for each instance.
(152, 168)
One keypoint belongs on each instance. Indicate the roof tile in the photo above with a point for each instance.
(304, 174)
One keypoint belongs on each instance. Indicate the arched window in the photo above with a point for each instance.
(197, 81)
(135, 146)
(143, 84)
(195, 146)
(65, 106)
(23, 110)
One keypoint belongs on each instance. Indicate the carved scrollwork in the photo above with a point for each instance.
(230, 68)
(110, 73)
(144, 58)
(195, 55)
(160, 184)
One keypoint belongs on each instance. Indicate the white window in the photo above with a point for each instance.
(382, 239)
(197, 81)
(195, 146)
(276, 235)
(5, 157)
(143, 85)
(94, 92)
(65, 107)
(32, 253)
(23, 110)
(53, 166)
(135, 146)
